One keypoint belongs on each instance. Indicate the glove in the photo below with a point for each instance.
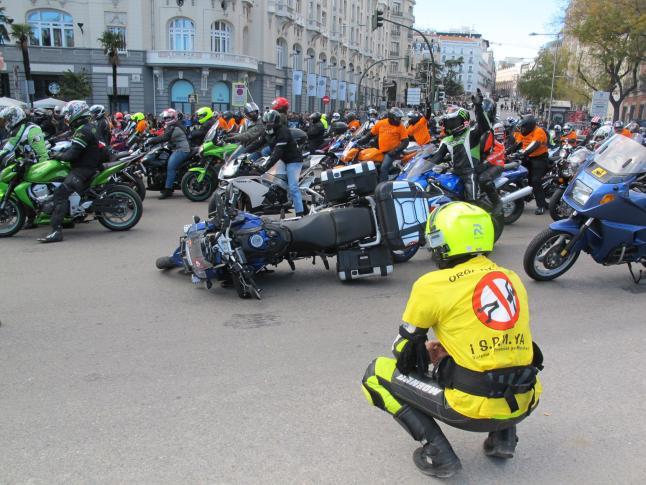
(440, 168)
(477, 98)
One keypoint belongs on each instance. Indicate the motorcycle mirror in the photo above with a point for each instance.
(196, 219)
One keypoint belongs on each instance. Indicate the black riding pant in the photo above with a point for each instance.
(537, 167)
(385, 387)
(76, 181)
(486, 180)
(470, 180)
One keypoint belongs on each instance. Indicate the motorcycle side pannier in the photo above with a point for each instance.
(358, 179)
(355, 263)
(402, 208)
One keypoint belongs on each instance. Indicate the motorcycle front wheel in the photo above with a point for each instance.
(12, 218)
(559, 209)
(126, 209)
(543, 260)
(197, 191)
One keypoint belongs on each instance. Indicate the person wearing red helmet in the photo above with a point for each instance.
(281, 105)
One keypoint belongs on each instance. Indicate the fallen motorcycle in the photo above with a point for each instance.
(234, 246)
(26, 186)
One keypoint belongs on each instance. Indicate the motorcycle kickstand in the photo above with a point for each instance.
(326, 264)
(290, 261)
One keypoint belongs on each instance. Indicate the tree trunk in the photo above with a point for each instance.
(616, 105)
(114, 84)
(27, 67)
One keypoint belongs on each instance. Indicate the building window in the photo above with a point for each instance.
(122, 32)
(220, 96)
(281, 54)
(220, 37)
(182, 34)
(179, 93)
(51, 28)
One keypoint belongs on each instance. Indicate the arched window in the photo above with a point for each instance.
(51, 28)
(181, 32)
(297, 52)
(179, 93)
(220, 37)
(220, 96)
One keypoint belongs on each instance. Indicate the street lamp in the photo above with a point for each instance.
(556, 48)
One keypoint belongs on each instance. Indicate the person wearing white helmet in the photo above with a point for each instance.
(85, 155)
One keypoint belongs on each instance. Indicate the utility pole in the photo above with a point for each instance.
(370, 67)
(378, 20)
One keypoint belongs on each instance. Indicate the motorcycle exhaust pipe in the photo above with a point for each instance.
(518, 194)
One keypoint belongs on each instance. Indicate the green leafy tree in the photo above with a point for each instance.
(21, 34)
(613, 37)
(112, 42)
(451, 85)
(75, 85)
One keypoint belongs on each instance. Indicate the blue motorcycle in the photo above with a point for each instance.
(444, 186)
(608, 196)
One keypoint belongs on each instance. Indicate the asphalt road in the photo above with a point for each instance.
(113, 372)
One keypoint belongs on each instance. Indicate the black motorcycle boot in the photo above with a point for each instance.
(166, 194)
(494, 198)
(435, 458)
(30, 223)
(55, 236)
(539, 211)
(502, 443)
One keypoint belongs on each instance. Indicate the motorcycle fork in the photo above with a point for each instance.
(586, 225)
(7, 194)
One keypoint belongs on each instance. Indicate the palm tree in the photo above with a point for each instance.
(111, 43)
(21, 33)
(4, 33)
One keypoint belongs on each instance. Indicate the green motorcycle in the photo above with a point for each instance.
(26, 186)
(201, 179)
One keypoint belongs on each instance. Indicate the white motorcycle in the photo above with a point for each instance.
(267, 191)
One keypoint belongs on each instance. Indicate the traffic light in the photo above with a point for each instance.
(440, 96)
(377, 19)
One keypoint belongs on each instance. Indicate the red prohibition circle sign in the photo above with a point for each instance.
(325, 99)
(495, 301)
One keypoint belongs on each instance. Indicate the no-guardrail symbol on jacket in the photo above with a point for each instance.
(495, 301)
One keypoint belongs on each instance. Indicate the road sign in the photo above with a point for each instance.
(239, 97)
(192, 98)
(325, 99)
(413, 96)
(600, 103)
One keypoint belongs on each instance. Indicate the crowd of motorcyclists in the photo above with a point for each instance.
(464, 144)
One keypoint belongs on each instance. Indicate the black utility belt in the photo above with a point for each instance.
(498, 383)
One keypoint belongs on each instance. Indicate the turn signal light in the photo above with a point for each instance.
(607, 198)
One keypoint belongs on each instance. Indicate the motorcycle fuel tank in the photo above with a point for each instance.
(44, 172)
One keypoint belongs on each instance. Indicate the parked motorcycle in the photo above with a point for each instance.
(608, 196)
(201, 178)
(567, 168)
(30, 186)
(235, 245)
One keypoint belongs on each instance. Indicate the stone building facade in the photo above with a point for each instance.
(178, 51)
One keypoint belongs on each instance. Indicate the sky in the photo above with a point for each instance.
(505, 23)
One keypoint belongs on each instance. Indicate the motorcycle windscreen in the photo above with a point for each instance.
(621, 155)
(196, 255)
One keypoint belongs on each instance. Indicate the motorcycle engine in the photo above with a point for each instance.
(40, 192)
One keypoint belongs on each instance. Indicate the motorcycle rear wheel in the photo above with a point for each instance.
(544, 250)
(196, 191)
(514, 209)
(405, 255)
(115, 221)
(12, 218)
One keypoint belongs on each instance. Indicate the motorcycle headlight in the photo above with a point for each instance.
(581, 193)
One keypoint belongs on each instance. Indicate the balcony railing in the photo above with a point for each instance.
(313, 24)
(201, 59)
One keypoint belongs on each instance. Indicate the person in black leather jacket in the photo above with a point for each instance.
(251, 132)
(315, 132)
(102, 124)
(284, 147)
(85, 154)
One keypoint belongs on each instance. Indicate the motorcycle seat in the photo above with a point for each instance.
(330, 229)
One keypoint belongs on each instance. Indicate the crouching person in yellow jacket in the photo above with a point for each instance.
(484, 362)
